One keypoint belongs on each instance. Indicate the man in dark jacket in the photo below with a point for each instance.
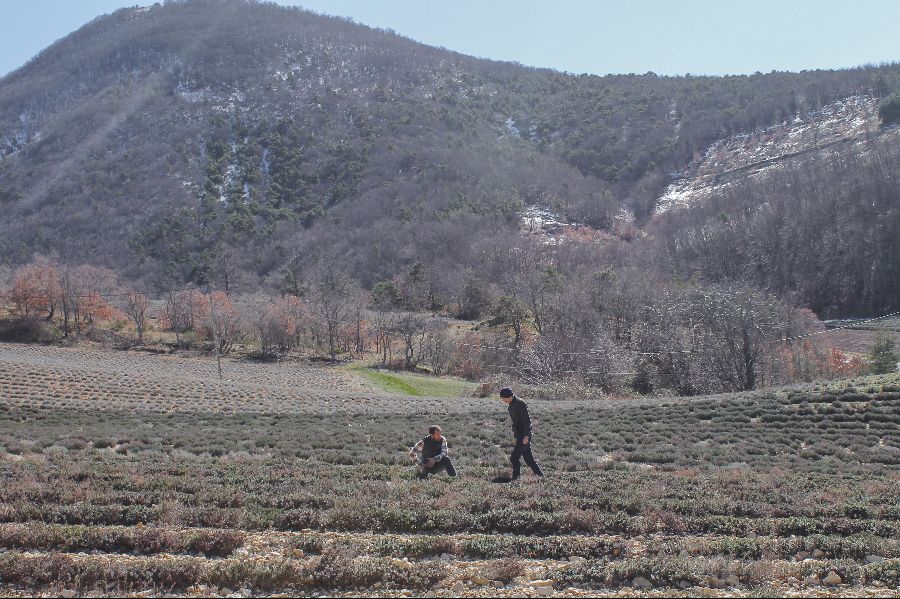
(521, 425)
(431, 454)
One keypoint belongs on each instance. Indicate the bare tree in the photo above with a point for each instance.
(541, 290)
(269, 323)
(34, 288)
(183, 311)
(137, 308)
(330, 293)
(358, 308)
(383, 323)
(221, 321)
(411, 328)
(83, 292)
(439, 348)
(226, 267)
(511, 316)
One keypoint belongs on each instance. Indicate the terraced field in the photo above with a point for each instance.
(105, 380)
(859, 341)
(137, 474)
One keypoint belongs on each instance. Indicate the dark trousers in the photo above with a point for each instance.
(522, 450)
(443, 464)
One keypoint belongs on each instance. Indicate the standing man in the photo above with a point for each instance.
(431, 454)
(521, 425)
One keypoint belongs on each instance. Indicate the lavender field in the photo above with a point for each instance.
(132, 473)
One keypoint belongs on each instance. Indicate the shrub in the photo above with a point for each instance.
(889, 109)
(27, 330)
(256, 574)
(297, 520)
(887, 572)
(414, 547)
(39, 571)
(660, 570)
(341, 567)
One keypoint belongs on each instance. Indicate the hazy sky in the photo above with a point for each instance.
(579, 36)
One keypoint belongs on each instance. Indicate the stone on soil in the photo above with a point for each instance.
(641, 583)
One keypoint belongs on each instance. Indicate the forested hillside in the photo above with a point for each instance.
(823, 225)
(230, 141)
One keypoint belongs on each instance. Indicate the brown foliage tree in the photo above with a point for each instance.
(35, 289)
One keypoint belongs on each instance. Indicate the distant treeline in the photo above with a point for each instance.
(557, 329)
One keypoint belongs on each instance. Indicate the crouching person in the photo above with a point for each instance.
(430, 454)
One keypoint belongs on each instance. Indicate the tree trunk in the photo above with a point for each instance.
(749, 367)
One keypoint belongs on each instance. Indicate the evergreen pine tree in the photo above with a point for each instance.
(883, 357)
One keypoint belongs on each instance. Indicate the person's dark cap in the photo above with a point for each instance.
(506, 392)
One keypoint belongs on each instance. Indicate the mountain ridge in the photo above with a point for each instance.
(200, 128)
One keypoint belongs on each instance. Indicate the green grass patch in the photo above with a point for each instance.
(417, 385)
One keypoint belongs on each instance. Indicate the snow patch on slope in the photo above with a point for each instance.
(729, 160)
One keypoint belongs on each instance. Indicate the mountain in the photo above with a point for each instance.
(166, 141)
